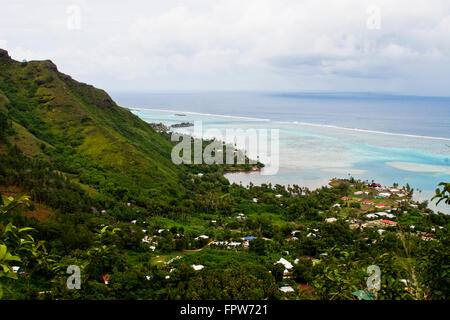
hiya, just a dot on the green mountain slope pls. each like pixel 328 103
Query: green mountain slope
pixel 83 132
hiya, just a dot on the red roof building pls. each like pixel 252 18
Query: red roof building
pixel 392 223
pixel 345 198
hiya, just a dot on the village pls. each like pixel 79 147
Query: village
pixel 367 206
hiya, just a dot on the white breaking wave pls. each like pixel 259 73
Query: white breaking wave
pixel 201 114
pixel 369 131
pixel 329 126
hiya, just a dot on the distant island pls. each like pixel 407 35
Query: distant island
pixel 182 125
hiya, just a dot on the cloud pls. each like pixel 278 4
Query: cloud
pixel 230 44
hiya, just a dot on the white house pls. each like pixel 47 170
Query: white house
pixel 288 266
pixel 197 267
pixel 286 289
pixel 330 220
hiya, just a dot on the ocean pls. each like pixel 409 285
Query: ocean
pixel 385 138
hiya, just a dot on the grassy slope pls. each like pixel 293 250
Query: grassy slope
pixel 79 115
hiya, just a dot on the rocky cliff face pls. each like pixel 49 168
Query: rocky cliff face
pixel 4 54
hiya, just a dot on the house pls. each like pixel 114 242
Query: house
pixel 15 269
pixel 205 237
pixel 133 221
pixel 375 185
pixel 235 244
pixel 337 205
pixel 381 231
pixel 358 193
pixel 197 267
pixel 345 198
pixel 255 200
pixel 385 214
pixel 330 220
pixel 384 194
pixel 249 238
pixel 146 239
pixel 427 236
pixel 315 261
pixel 370 203
pixel 287 289
pixel 389 222
pixel 200 174
pixel 372 216
pixel 287 265
pixel 278 195
pixel 381 205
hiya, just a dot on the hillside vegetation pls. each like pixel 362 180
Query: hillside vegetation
pixel 86 183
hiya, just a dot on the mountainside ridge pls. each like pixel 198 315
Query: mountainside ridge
pixel 79 125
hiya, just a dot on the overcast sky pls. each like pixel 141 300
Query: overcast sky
pixel 400 46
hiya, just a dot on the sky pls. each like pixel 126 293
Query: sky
pixel 400 46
